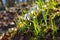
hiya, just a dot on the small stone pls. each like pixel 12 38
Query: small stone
pixel 6 18
pixel 12 23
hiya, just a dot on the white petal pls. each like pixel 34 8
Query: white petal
pixel 46 0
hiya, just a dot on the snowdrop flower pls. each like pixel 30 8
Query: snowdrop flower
pixel 31 9
pixel 46 0
pixel 32 12
pixel 36 7
pixel 27 16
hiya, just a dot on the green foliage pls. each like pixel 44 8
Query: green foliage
pixel 39 30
